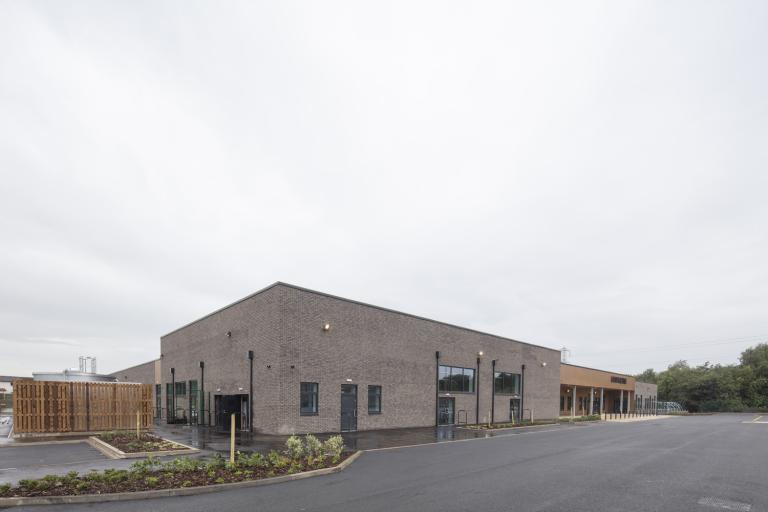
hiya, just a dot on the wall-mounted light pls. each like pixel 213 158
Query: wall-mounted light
pixel 269 366
pixel 543 364
pixel 326 326
pixel 229 334
pixel 239 389
pixel 479 354
pixel 348 380
pixel 218 389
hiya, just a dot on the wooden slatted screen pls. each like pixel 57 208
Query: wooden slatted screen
pixel 56 407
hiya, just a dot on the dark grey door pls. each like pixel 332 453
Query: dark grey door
pixel 445 409
pixel 348 407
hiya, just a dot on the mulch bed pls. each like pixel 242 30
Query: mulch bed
pixel 128 443
pixel 125 481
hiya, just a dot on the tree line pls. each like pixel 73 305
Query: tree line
pixel 710 388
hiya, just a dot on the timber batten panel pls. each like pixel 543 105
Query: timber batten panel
pixel 58 407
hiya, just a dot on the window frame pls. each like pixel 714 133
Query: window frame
pixel 451 381
pixel 314 392
pixel 372 387
pixel 515 381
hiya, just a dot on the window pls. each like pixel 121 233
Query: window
pixel 562 403
pixel 308 402
pixel 460 380
pixel 193 395
pixel 181 388
pixel 374 399
pixel 506 383
pixel 618 380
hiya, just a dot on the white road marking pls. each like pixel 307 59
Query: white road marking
pixel 738 506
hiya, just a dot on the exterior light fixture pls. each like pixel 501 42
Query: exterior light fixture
pixel 239 389
pixel 349 380
pixel 480 353
pixel 326 326
pixel 229 334
pixel 543 364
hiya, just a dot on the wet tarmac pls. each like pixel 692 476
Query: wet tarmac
pixel 209 438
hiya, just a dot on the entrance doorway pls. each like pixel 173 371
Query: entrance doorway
pixel 445 410
pixel 348 407
pixel 514 410
pixel 225 406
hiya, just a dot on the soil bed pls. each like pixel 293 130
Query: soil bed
pixel 114 481
pixel 127 442
pixel 496 426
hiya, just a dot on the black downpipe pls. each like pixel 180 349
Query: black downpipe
pixel 437 388
pixel 201 412
pixel 250 394
pixel 522 394
pixel 173 394
pixel 493 390
pixel 477 393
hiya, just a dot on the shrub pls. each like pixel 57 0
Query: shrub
pixel 151 481
pixel 219 480
pixel 181 464
pixel 333 446
pixel 82 486
pixel 28 483
pixel 5 489
pixel 145 466
pixel 295 448
pixel 276 460
pixel 217 462
pixel 314 448
pixel 186 483
pixel 254 460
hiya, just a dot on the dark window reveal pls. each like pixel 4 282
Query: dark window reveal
pixel 374 399
pixel 619 380
pixel 308 402
pixel 454 379
pixel 506 383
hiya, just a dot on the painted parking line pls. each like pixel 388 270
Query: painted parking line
pixel 738 506
pixel 757 420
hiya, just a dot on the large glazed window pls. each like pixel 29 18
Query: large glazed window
pixel 374 399
pixel 506 383
pixel 456 379
pixel 308 401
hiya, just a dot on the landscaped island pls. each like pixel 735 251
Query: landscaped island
pixel 128 442
pixel 151 474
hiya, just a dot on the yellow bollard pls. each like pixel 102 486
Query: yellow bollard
pixel 232 441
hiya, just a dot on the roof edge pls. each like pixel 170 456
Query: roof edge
pixel 359 303
pixel 129 367
pixel 599 370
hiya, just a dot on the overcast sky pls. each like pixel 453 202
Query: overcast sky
pixel 588 175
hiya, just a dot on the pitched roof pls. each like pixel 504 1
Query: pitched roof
pixel 351 301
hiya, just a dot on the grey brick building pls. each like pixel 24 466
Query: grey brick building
pixel 322 363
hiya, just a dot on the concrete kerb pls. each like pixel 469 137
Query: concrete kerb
pixel 113 453
pixel 184 491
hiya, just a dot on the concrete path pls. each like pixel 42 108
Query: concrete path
pixel 691 464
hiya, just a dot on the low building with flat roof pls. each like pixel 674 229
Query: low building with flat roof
pixel 585 391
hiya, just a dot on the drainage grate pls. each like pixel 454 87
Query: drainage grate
pixel 725 504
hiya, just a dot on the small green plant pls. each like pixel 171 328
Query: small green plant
pixel 151 481
pixel 333 446
pixel 277 460
pixel 146 465
pixel 28 483
pixel 314 448
pixel 186 483
pixel 219 480
pixel 82 486
pixel 5 489
pixel 295 448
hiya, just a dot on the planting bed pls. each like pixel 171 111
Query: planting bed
pixel 128 442
pixel 152 474
pixel 496 426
